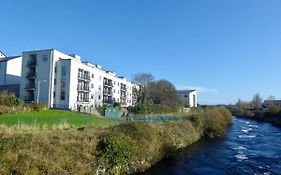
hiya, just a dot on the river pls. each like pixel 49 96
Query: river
pixel 249 147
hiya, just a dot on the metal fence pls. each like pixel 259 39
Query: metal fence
pixel 154 118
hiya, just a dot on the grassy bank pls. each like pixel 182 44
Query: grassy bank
pixel 53 118
pixel 272 115
pixel 125 148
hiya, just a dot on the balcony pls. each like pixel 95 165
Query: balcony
pixel 83 77
pixel 30 87
pixel 29 99
pixel 123 97
pixel 31 63
pixel 31 75
pixel 81 88
pixel 107 93
pixel 123 90
pixel 108 84
pixel 108 101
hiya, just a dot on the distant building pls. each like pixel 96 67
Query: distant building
pixel 10 73
pixel 189 97
pixel 271 103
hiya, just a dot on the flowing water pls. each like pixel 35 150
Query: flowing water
pixel 249 147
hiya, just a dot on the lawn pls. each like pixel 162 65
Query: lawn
pixel 54 118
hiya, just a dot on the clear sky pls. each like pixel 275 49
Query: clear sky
pixel 227 49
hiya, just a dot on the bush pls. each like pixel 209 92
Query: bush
pixel 9 99
pixel 37 106
pixel 213 121
pixel 153 109
pixel 275 109
pixel 101 110
pixel 5 109
pixel 115 151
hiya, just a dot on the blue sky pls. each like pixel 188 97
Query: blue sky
pixel 227 49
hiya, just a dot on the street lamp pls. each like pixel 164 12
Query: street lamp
pixel 38 92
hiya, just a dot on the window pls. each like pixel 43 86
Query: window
pixel 100 78
pixel 54 94
pixel 63 71
pixel 93 76
pixel 45 58
pixel 114 90
pixel 62 95
pixel 92 85
pixel 92 96
pixel 62 84
pixel 99 97
pixel 55 81
pixel 55 69
pixel 99 87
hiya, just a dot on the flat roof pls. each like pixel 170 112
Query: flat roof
pixel 8 58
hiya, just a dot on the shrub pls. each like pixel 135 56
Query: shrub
pixel 37 106
pixel 226 114
pixel 115 151
pixel 275 109
pixel 153 109
pixel 216 121
pixel 101 110
pixel 9 99
pixel 5 109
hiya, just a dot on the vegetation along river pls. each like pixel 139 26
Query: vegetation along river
pixel 249 147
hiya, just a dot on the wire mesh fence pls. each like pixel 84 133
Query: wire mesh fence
pixel 154 118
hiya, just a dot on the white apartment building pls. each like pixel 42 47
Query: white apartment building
pixel 10 73
pixel 64 81
pixel 189 97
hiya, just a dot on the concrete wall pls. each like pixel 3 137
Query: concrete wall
pixel 13 71
pixel 10 71
pixel 189 97
pixel 3 66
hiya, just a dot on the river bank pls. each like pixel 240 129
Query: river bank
pixel 270 116
pixel 126 148
pixel 249 147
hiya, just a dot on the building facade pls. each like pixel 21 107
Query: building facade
pixel 271 103
pixel 188 97
pixel 10 73
pixel 64 81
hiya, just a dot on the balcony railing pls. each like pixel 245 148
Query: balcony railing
pixel 31 63
pixel 105 92
pixel 30 87
pixel 108 84
pixel 84 77
pixel 29 99
pixel 83 88
pixel 31 75
pixel 123 90
pixel 108 101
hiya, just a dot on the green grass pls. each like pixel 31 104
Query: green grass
pixel 54 118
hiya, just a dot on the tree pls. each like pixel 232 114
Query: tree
pixel 143 79
pixel 256 103
pixel 162 92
